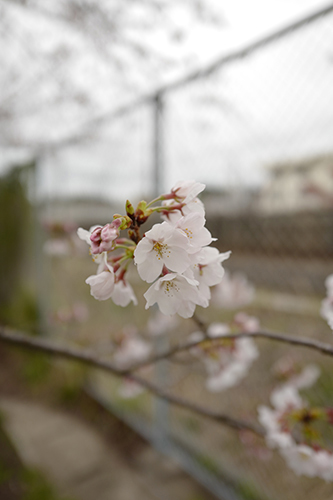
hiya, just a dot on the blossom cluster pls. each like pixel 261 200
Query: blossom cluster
pixel 175 258
pixel 293 427
pixel 227 360
pixel 174 255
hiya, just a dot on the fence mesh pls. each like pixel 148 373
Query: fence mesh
pixel 258 131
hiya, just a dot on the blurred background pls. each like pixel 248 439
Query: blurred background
pixel 104 101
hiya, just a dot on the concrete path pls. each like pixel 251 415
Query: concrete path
pixel 77 461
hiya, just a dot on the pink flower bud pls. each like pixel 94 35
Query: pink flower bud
pixel 109 233
pixel 102 238
pixel 116 223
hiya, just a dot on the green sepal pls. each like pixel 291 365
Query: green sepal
pixel 126 221
pixel 142 212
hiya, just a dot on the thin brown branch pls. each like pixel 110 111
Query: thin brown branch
pixel 315 345
pixel 18 339
pixel 195 408
pixel 90 358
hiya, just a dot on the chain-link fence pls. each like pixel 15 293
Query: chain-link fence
pixel 257 127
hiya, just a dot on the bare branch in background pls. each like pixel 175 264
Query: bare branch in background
pixel 89 358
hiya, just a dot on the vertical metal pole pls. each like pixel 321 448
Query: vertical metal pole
pixel 39 256
pixel 162 341
pixel 158 144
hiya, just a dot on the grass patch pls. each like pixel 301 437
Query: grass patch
pixel 248 491
pixel 37 487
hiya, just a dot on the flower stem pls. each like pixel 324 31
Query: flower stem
pixel 155 200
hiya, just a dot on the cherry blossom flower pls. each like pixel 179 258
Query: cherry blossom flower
pixel 308 458
pixel 193 226
pixel 217 329
pixel 226 361
pixel 187 190
pixel 295 375
pixel 185 193
pixel 174 293
pixel 102 284
pixel 234 365
pixel 123 294
pixel 247 323
pixel 226 377
pixel 301 459
pixel 307 461
pixel 162 245
pixel 324 464
pixel 308 376
pixel 132 349
pixel 276 437
pixel 285 400
pixel 208 270
pixel 194 206
pixel 84 235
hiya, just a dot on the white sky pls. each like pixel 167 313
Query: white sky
pixel 246 21
pixel 276 101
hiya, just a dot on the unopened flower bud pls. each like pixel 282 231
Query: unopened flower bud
pixel 129 209
pixel 122 221
pixel 142 213
pixel 102 238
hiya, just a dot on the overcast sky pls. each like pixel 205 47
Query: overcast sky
pixel 223 130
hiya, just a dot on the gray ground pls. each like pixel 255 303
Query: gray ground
pixel 80 464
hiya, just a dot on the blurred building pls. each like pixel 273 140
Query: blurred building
pixel 295 186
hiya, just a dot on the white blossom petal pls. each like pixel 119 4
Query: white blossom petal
pixel 123 294
pixel 101 285
pixel 174 293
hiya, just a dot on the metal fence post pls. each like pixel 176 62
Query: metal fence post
pixel 161 342
pixel 158 157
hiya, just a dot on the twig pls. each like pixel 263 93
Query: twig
pixel 90 358
pixel 315 345
pixel 45 346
